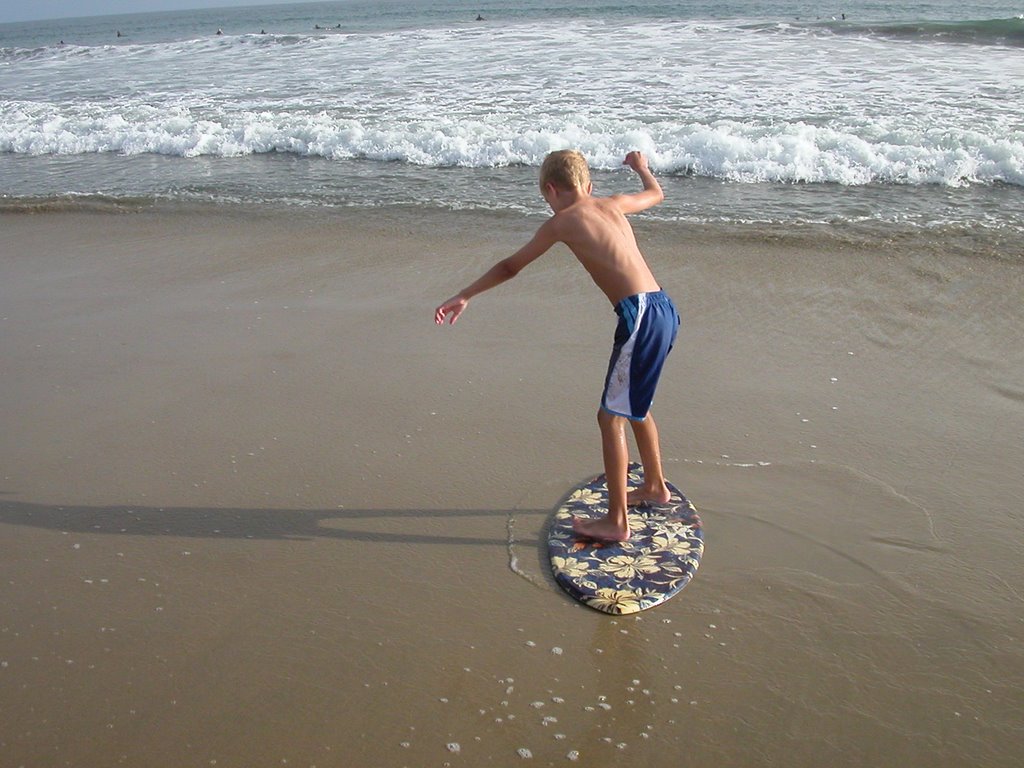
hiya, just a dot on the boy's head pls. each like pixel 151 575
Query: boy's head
pixel 566 170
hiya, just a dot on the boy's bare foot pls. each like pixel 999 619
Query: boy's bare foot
pixel 647 495
pixel 602 530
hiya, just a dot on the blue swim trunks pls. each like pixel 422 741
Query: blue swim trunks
pixel 647 328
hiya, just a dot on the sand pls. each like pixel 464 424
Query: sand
pixel 257 510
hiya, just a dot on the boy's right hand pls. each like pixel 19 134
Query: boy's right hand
pixel 450 310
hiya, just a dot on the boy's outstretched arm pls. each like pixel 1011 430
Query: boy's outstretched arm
pixel 504 270
pixel 651 194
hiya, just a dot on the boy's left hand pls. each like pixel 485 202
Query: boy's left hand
pixel 450 310
pixel 635 160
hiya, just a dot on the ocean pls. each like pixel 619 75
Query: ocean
pixel 863 116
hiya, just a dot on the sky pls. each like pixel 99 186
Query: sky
pixel 31 10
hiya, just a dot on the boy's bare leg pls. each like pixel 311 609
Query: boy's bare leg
pixel 614 526
pixel 653 488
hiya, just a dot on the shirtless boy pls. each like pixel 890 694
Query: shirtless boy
pixel 596 230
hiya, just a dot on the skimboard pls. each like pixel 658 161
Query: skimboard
pixel 660 558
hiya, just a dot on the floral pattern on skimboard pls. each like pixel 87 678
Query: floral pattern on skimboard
pixel 661 556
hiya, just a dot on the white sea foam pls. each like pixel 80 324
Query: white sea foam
pixel 795 152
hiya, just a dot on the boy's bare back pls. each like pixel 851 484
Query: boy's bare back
pixel 594 228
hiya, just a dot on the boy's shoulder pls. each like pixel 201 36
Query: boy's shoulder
pixel 589 205
pixel 571 216
pixel 584 219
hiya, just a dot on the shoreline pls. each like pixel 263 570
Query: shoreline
pixel 308 185
pixel 256 507
pixel 997 243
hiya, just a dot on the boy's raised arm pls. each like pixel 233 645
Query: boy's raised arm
pixel 651 194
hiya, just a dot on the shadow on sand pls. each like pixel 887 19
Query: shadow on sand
pixel 265 524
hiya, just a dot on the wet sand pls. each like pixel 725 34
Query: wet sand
pixel 257 510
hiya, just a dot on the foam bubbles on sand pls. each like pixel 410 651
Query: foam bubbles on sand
pixel 553 723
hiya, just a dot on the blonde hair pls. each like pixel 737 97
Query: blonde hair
pixel 566 169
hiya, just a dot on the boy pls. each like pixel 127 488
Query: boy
pixel 596 230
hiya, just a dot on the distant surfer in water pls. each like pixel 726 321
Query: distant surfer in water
pixel 596 230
